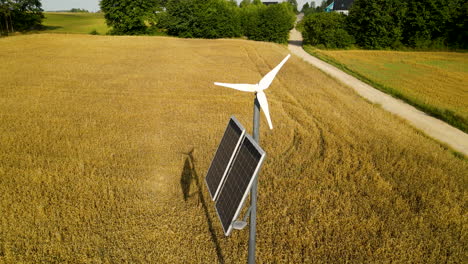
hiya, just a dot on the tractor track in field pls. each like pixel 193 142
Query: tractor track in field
pixel 255 57
pixel 433 127
pixel 295 105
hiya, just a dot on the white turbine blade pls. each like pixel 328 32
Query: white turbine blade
pixel 264 105
pixel 268 79
pixel 240 87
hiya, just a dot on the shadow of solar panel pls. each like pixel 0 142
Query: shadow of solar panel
pixel 224 155
pixel 238 182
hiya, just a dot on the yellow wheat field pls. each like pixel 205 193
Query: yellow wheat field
pixel 435 79
pixel 105 142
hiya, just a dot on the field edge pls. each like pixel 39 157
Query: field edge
pixel 445 115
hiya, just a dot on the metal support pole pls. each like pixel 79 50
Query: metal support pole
pixel 253 192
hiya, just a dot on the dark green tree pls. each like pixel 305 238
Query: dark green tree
pixel 180 18
pixel 78 10
pixel 250 18
pixel 270 23
pixel 293 3
pixel 20 15
pixel 458 30
pixel 245 3
pixel 305 7
pixel 327 29
pixel 377 24
pixel 6 24
pixel 217 19
pixel 202 19
pixel 28 14
pixel 310 9
pixel 430 22
pixel 321 7
pixel 128 17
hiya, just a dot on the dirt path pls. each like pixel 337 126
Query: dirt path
pixel 435 128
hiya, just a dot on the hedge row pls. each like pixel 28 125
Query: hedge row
pixel 327 29
pixel 223 19
pixel 381 24
pixel 200 18
pixel 268 23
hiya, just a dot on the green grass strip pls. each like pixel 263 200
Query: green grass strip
pixel 445 115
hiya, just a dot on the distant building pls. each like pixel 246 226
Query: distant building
pixel 329 8
pixel 342 6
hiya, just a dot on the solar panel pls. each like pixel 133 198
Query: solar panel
pixel 238 182
pixel 224 155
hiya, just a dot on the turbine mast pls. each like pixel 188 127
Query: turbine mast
pixel 253 192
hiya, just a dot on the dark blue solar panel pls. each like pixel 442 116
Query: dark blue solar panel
pixel 239 179
pixel 222 160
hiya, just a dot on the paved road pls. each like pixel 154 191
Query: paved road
pixel 435 128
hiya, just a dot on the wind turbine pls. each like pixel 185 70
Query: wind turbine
pixel 258 88
pixel 260 101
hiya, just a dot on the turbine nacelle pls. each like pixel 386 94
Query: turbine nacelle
pixel 258 88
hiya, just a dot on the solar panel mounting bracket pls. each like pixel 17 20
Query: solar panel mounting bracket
pixel 241 224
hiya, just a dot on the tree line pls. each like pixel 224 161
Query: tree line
pixel 201 18
pixel 78 10
pixel 311 8
pixel 395 24
pixel 20 15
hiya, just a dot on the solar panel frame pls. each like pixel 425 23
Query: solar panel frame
pixel 261 152
pixel 213 161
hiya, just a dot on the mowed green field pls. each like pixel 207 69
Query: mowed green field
pixel 436 82
pixel 95 133
pixel 82 23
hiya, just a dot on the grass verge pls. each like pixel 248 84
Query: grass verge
pixel 75 23
pixel 450 116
